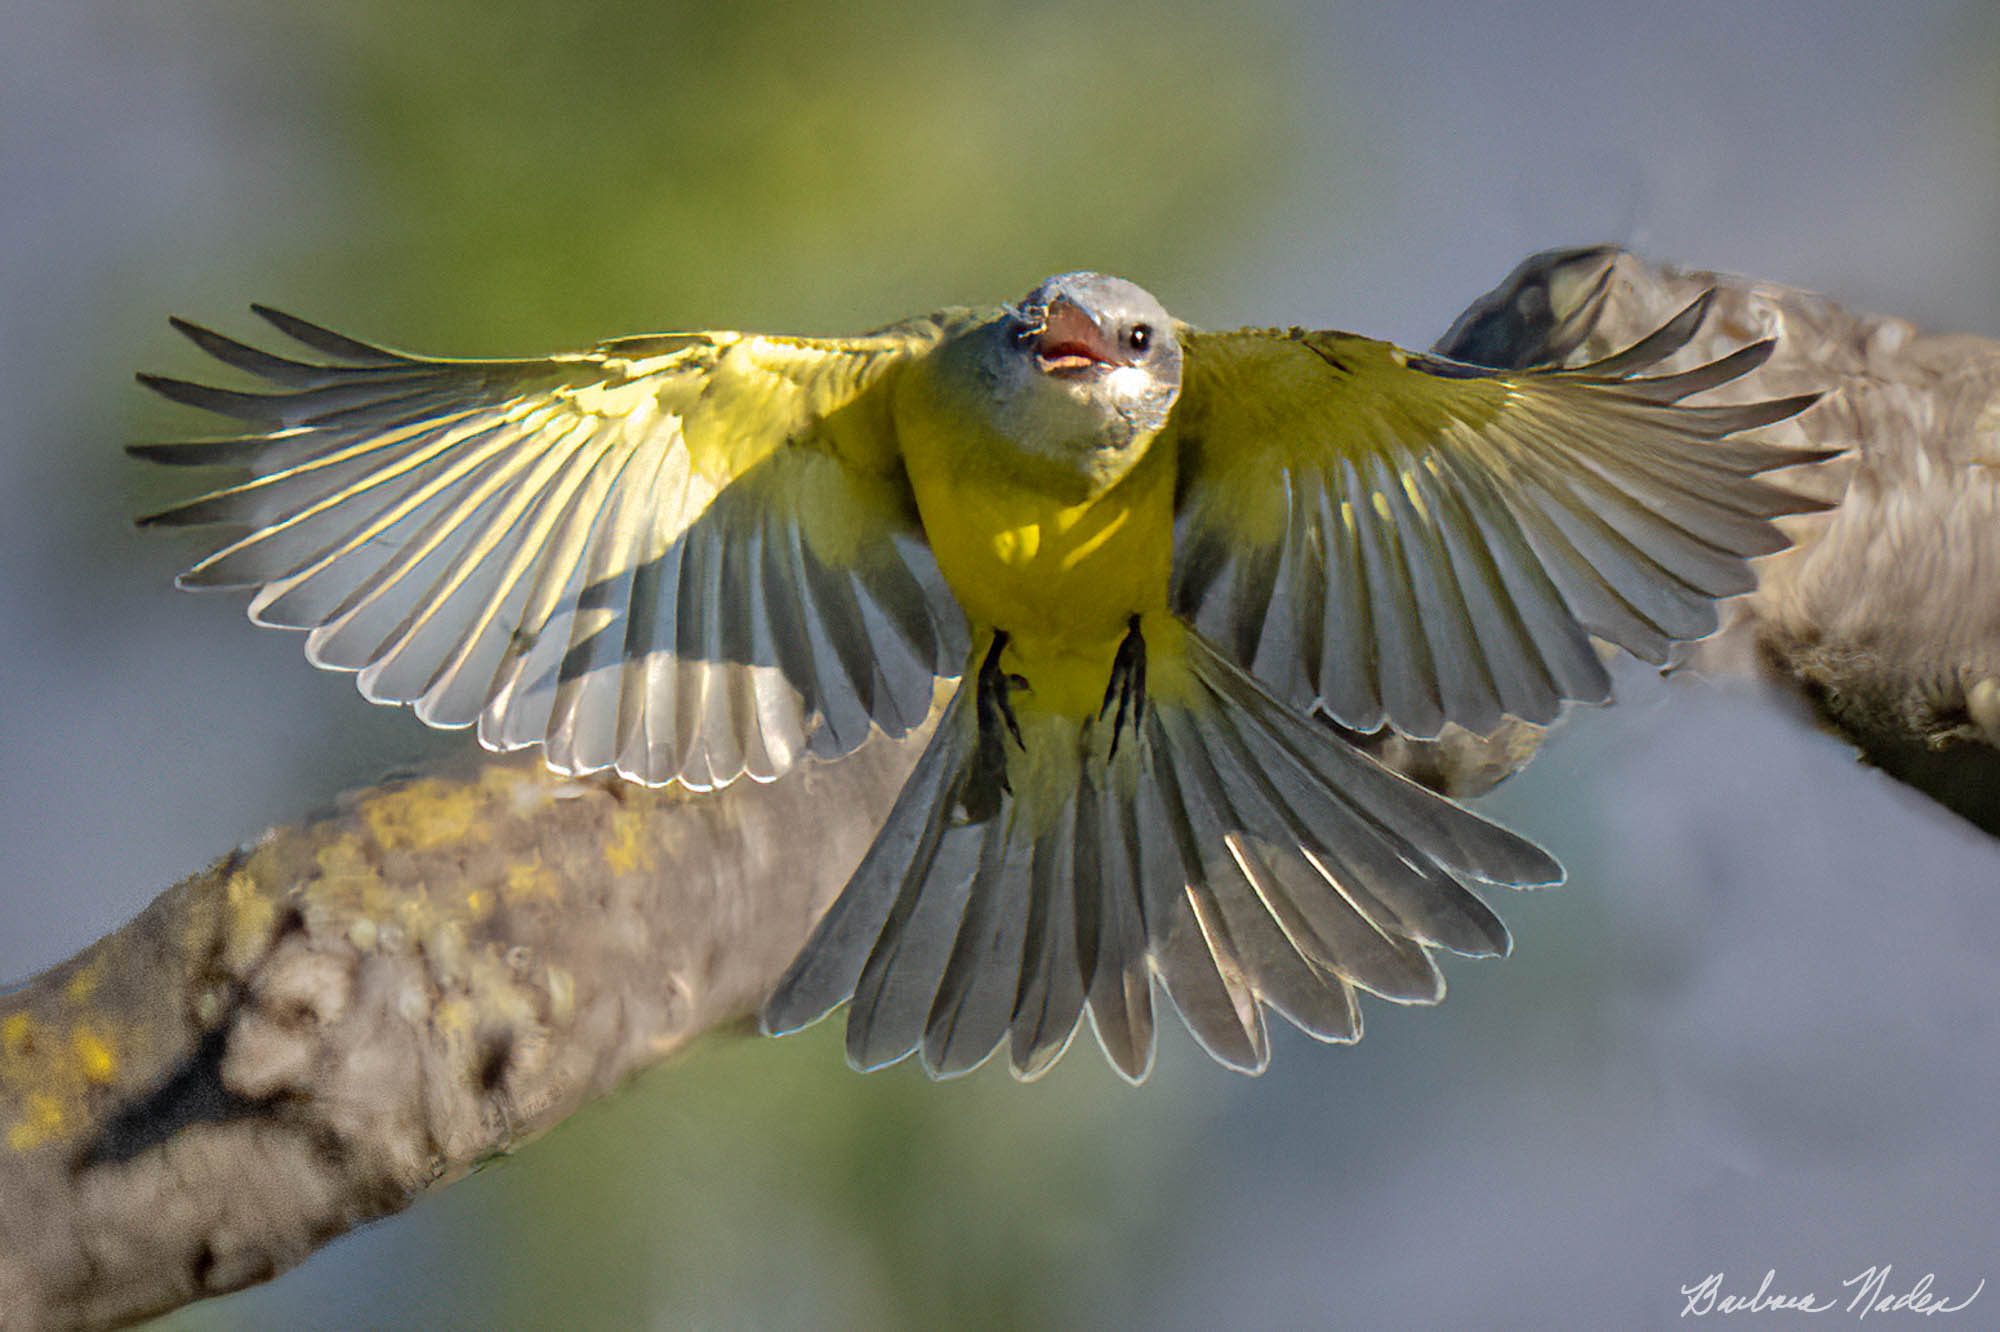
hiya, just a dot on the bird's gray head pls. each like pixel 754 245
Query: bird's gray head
pixel 1084 371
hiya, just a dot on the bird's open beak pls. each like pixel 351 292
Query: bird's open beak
pixel 1070 342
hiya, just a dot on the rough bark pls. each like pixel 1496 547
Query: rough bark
pixel 320 1027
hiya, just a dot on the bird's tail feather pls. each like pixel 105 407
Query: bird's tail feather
pixel 1238 854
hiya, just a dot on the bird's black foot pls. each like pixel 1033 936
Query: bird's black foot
pixel 1125 696
pixel 986 780
pixel 996 708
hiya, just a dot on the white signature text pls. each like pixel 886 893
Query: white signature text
pixel 1868 1292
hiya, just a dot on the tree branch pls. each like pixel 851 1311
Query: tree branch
pixel 318 1028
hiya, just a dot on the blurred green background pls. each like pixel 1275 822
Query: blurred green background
pixel 1581 1129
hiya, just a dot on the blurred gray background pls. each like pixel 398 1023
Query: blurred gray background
pixel 1755 1030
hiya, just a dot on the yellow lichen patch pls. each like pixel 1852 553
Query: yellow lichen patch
pixel 17 1036
pixel 477 904
pixel 348 882
pixel 341 860
pixel 423 815
pixel 516 791
pixel 49 1072
pixel 499 776
pixel 252 915
pixel 41 1119
pixel 528 879
pixel 627 850
pixel 454 1015
pixel 83 984
pixel 95 1058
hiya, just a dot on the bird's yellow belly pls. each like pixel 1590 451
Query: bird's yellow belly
pixel 1061 580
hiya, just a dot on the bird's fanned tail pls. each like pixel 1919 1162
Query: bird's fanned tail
pixel 1219 845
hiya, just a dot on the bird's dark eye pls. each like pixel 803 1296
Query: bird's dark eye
pixel 1141 337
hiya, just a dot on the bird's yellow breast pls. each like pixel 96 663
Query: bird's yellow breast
pixel 1061 572
pixel 1038 567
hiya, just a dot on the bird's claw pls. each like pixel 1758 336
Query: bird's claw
pixel 1126 691
pixel 986 780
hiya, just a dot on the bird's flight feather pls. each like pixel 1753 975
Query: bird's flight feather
pixel 1407 540
pixel 1234 857
pixel 686 557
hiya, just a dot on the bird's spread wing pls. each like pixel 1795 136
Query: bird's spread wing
pixel 1406 539
pixel 689 557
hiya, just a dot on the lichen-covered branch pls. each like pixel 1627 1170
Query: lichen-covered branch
pixel 320 1027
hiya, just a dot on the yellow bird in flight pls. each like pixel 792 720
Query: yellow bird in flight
pixel 1152 551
